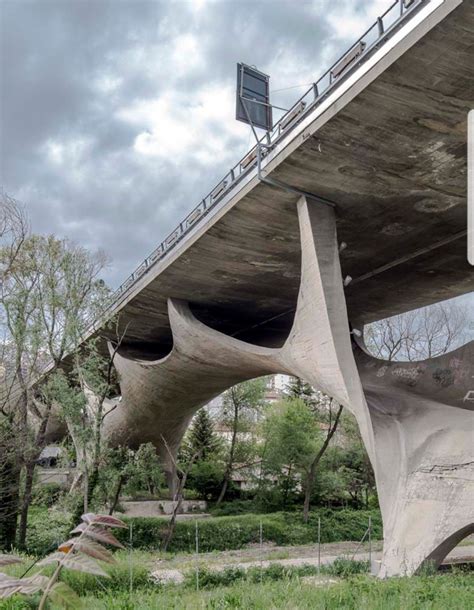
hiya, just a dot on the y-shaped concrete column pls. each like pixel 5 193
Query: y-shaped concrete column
pixel 418 446
pixel 424 438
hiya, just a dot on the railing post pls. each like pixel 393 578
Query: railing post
pixel 380 26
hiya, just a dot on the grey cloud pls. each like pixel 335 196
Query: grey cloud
pixel 55 55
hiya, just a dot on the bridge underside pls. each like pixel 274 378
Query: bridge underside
pixel 414 417
pixel 393 160
pixel 259 289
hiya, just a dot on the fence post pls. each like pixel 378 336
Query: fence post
pixel 319 545
pixel 197 556
pixel 370 542
pixel 130 548
pixel 261 551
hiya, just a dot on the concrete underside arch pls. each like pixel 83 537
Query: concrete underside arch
pixel 414 417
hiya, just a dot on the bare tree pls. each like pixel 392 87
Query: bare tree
pixel 420 334
pixel 85 398
pixel 14 229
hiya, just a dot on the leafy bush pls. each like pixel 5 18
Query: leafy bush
pixel 226 533
pixel 46 529
pixel 18 602
pixel 344 567
pixel 229 576
pixel 47 495
pixel 86 584
pixel 80 553
pixel 205 477
pixel 236 507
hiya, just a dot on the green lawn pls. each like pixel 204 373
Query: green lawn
pixel 269 589
pixel 443 592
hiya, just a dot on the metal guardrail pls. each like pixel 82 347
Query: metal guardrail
pixel 372 39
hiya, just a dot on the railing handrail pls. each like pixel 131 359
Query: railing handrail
pixel 237 172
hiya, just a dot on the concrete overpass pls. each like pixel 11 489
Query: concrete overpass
pixel 252 282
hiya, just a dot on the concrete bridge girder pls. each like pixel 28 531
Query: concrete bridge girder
pixel 420 445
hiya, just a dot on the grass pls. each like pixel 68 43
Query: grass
pixel 444 592
pixel 342 586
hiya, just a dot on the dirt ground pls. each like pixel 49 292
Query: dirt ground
pixel 172 568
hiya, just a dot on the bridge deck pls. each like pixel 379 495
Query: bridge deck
pixel 393 159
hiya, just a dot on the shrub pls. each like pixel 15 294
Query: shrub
pixel 205 477
pixel 229 576
pixel 46 529
pixel 87 584
pixel 344 567
pixel 227 533
pixel 237 507
pixel 47 495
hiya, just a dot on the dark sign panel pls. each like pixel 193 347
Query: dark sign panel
pixel 253 97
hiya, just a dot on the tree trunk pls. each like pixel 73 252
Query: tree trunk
pixel 25 502
pixel 314 464
pixel 172 523
pixel 30 466
pixel 287 487
pixel 230 462
pixel 118 489
pixel 179 500
pixel 9 491
pixel 90 483
pixel 307 492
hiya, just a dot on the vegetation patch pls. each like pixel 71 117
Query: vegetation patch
pixel 228 533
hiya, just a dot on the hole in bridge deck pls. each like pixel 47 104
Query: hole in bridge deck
pixel 424 333
pixel 146 351
pixel 265 329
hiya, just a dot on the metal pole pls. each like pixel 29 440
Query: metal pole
pixel 261 551
pixel 197 556
pixel 130 547
pixel 319 545
pixel 370 542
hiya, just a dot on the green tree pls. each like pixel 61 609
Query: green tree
pixel 297 388
pixel 147 473
pixel 49 288
pixel 205 477
pixel 355 465
pixel 291 439
pixel 242 405
pixel 201 437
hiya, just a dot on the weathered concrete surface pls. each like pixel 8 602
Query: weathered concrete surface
pixel 414 419
pixel 424 438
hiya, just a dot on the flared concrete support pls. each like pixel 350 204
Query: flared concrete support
pixel 160 397
pixel 424 438
pixel 417 438
pixel 319 347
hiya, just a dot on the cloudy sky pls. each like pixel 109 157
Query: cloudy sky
pixel 118 116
